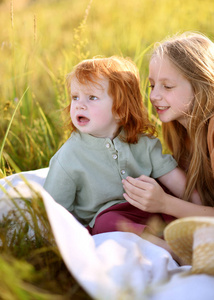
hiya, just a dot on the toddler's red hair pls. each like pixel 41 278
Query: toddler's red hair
pixel 124 88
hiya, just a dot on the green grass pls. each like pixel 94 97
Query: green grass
pixel 40 42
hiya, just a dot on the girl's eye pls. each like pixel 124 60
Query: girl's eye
pixel 151 86
pixel 168 87
pixel 74 98
pixel 91 97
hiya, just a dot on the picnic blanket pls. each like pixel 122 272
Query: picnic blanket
pixel 114 265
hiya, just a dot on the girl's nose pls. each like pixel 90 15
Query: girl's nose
pixel 155 95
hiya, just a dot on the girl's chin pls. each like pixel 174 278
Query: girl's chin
pixel 164 119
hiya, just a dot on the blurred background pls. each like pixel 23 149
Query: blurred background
pixel 40 42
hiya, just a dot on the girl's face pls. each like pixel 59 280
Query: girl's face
pixel 91 109
pixel 171 93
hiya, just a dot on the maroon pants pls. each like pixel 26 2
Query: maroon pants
pixel 111 218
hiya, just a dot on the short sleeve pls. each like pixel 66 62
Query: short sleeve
pixel 60 185
pixel 161 163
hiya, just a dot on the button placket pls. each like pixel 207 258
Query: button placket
pixel 112 149
pixel 114 156
pixel 123 149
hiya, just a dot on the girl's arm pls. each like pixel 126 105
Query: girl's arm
pixel 175 181
pixel 146 194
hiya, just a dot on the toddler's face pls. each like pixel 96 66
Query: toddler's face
pixel 91 108
pixel 171 93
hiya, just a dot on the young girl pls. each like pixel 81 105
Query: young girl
pixel 181 75
pixel 111 139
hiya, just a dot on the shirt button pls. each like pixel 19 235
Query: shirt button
pixel 108 145
pixel 122 172
pixel 114 156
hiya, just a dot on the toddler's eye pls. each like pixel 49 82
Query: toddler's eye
pixel 92 97
pixel 74 98
pixel 151 86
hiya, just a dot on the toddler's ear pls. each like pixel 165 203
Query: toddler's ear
pixel 117 118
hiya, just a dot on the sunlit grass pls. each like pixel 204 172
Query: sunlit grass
pixel 41 43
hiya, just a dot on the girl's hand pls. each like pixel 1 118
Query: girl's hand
pixel 144 193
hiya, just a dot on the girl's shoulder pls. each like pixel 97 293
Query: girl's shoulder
pixel 210 141
pixel 210 134
pixel 211 123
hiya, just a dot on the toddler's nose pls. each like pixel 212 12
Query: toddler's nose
pixel 81 104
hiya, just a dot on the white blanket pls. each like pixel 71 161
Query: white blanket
pixel 114 265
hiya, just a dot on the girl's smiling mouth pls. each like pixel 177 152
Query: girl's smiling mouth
pixel 161 108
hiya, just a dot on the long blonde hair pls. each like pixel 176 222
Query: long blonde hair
pixel 193 54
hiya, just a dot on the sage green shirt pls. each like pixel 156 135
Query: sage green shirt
pixel 85 174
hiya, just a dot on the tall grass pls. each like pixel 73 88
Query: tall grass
pixel 40 42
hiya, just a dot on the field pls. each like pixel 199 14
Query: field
pixel 40 42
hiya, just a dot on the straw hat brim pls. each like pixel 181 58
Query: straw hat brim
pixel 179 235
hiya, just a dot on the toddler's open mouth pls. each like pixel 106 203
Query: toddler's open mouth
pixel 82 120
